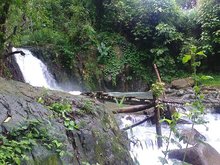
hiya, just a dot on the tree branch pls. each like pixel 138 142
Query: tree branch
pixel 12 53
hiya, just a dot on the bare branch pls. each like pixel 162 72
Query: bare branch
pixel 136 124
pixel 12 53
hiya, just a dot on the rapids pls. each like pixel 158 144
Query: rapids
pixel 143 138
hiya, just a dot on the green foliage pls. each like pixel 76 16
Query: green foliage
pixel 146 32
pixel 63 110
pixel 113 68
pixel 209 19
pixel 158 89
pixel 87 107
pixel 60 107
pixel 215 81
pixel 15 145
pixel 119 102
pixel 197 108
pixel 168 33
pixel 194 56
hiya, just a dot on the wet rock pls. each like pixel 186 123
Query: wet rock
pixel 200 154
pixel 191 136
pixel 98 139
pixel 182 83
pixel 180 93
pixel 41 154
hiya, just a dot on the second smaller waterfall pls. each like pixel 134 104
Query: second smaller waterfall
pixel 34 71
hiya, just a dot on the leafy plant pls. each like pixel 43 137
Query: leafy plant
pixel 63 110
pixel 17 143
pixel 158 89
pixel 197 108
pixel 194 56
pixel 120 102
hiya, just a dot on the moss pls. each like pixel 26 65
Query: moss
pixel 51 160
pixel 109 122
pixel 117 148
pixel 99 146
pixel 82 124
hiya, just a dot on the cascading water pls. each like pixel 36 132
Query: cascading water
pixel 143 138
pixel 35 72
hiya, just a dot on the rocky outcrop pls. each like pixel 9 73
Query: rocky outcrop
pixel 182 83
pixel 200 154
pixel 211 96
pixel 97 138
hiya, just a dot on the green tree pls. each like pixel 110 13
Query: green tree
pixel 4 10
pixel 209 21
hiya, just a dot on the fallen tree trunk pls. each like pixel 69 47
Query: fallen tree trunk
pixel 132 109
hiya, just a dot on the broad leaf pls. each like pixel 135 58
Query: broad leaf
pixel 186 58
pixel 201 53
pixel 206 77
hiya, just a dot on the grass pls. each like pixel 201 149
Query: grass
pixel 215 82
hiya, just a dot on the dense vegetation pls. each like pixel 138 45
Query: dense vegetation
pixel 122 37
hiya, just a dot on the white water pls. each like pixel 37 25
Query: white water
pixel 35 72
pixel 145 150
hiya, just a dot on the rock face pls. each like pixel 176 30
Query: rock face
pixel 182 83
pixel 211 96
pixel 200 154
pixel 96 140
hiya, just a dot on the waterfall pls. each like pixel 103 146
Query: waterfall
pixel 35 72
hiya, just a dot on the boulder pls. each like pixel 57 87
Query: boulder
pixel 97 140
pixel 182 83
pixel 191 136
pixel 200 154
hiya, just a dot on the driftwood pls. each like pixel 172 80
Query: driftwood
pixel 133 109
pixel 12 53
pixel 136 124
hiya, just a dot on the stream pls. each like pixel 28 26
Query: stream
pixel 143 137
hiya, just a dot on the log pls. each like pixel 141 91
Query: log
pixel 134 125
pixel 133 109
